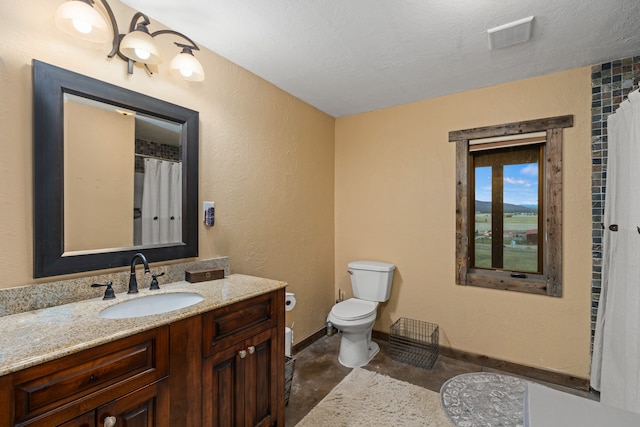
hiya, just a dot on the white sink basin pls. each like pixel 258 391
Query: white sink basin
pixel 150 304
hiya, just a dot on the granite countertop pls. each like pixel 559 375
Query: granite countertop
pixel 38 336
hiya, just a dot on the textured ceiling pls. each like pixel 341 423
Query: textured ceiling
pixel 351 56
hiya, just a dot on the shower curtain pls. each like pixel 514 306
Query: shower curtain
pixel 615 365
pixel 162 202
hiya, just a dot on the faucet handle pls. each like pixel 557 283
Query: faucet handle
pixel 108 293
pixel 154 281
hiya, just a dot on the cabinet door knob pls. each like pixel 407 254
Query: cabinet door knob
pixel 252 349
pixel 242 354
pixel 110 422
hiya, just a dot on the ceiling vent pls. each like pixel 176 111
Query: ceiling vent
pixel 509 34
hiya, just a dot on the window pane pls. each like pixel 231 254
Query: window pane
pixel 482 221
pixel 520 240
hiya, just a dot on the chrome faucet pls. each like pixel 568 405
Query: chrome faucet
pixel 133 283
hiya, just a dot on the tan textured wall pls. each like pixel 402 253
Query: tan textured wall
pixel 266 158
pixel 395 202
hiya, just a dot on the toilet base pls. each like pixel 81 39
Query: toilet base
pixel 356 347
pixel 357 353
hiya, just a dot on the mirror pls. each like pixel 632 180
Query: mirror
pixel 136 182
pixel 115 173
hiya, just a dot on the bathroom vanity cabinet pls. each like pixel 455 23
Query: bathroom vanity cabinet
pixel 220 367
pixel 126 379
pixel 242 379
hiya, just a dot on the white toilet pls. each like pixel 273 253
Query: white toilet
pixel 371 284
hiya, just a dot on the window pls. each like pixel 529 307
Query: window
pixel 505 188
pixel 509 206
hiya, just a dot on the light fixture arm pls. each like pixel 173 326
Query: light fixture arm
pixel 192 46
pixel 140 26
pixel 115 43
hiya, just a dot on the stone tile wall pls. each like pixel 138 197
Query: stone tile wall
pixel 157 151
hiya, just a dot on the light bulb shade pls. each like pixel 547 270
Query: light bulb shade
pixel 81 20
pixel 187 67
pixel 139 46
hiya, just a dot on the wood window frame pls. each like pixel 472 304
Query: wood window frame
pixel 550 282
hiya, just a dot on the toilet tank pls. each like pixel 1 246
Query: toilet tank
pixel 371 280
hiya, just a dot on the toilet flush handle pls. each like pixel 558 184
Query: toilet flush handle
pixel 349 271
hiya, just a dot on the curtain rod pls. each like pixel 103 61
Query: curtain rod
pixel 146 156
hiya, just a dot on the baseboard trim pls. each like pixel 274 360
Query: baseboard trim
pixel 309 340
pixel 514 368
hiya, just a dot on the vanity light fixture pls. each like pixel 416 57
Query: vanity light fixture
pixel 80 18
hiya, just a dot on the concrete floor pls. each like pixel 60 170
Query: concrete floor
pixel 317 371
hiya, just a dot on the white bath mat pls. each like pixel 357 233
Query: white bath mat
pixel 364 398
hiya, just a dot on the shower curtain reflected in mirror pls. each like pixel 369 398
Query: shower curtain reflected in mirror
pixel 162 202
pixel 615 365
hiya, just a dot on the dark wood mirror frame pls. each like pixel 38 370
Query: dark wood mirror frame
pixel 50 83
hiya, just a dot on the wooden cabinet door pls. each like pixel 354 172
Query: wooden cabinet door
pixel 259 387
pixel 238 385
pixel 146 407
pixel 222 389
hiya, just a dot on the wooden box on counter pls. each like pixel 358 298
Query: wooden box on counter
pixel 194 276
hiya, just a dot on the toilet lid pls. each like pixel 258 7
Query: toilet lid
pixel 353 309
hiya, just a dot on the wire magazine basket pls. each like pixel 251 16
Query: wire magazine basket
pixel 414 342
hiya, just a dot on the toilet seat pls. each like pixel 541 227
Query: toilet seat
pixel 354 309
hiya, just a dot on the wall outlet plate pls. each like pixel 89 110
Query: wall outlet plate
pixel 208 213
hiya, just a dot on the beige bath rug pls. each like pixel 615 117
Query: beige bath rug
pixel 365 398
